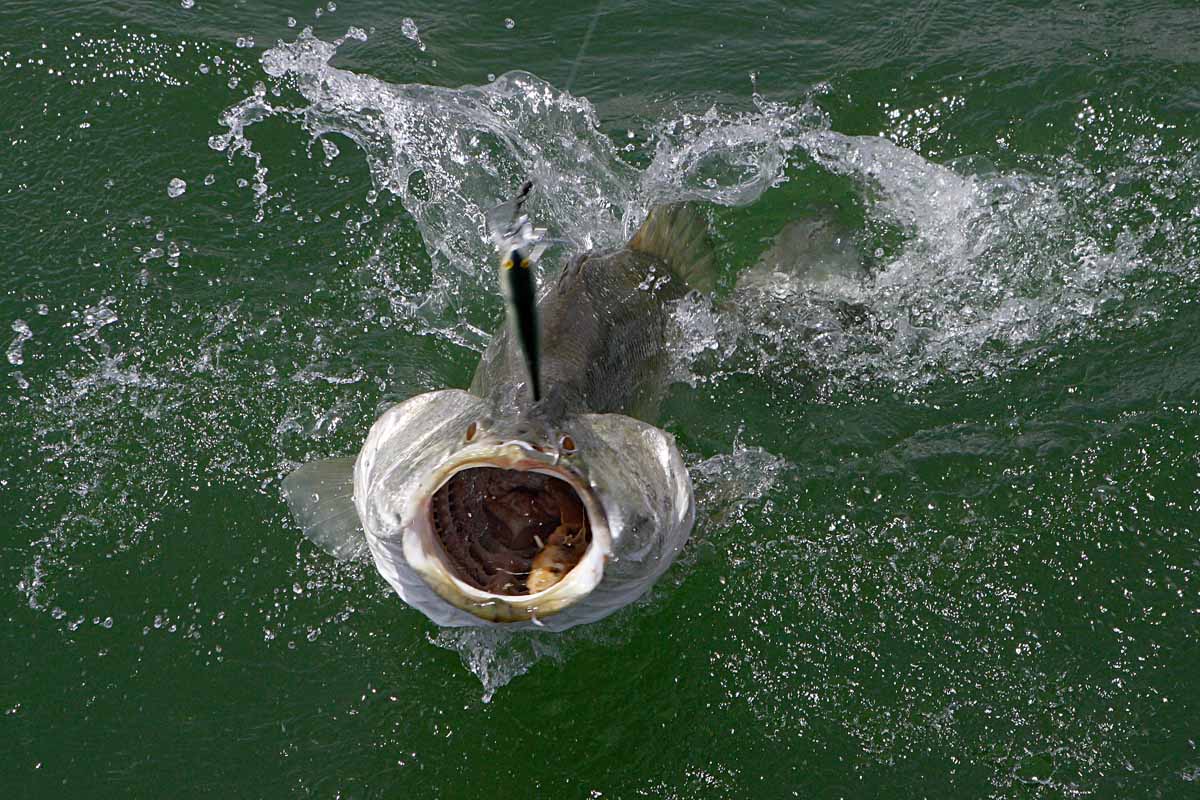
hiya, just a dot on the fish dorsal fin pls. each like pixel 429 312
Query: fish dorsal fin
pixel 320 495
pixel 677 234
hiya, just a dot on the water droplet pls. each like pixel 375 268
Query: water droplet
pixel 24 334
pixel 409 29
pixel 510 23
pixel 177 186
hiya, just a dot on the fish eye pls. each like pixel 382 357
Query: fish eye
pixel 566 444
pixel 472 429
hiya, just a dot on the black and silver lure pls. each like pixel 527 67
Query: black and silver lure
pixel 520 246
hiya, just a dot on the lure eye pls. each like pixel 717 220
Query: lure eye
pixel 566 444
pixel 472 429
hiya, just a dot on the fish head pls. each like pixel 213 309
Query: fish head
pixel 477 517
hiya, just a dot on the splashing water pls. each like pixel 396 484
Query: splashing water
pixel 974 267
pixel 495 657
pixel 962 269
pixel 988 262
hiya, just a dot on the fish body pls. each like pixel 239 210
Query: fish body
pixel 488 507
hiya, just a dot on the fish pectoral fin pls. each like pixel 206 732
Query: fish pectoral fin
pixel 320 495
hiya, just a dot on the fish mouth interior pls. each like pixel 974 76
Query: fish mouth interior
pixel 508 531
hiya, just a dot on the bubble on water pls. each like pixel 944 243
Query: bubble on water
pixel 331 6
pixel 176 187
pixel 291 22
pixel 203 69
pixel 244 41
pixel 187 3
pixel 210 179
pixel 510 23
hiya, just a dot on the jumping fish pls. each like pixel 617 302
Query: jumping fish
pixel 543 495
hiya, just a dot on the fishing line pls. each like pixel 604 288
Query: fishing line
pixel 587 37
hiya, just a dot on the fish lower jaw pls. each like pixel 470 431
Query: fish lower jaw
pixel 552 585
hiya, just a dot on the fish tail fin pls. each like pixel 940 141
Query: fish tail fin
pixel 676 233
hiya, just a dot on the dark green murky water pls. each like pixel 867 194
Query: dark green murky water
pixel 948 539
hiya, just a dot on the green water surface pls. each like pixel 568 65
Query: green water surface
pixel 956 558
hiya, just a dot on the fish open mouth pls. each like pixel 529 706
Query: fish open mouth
pixel 509 531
